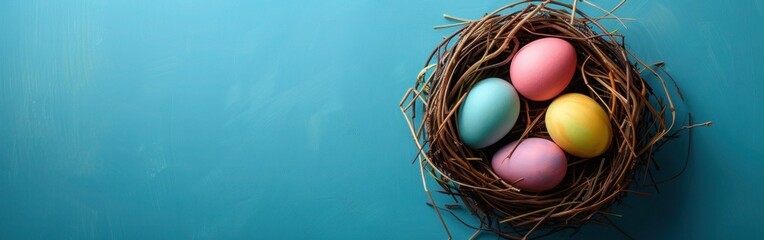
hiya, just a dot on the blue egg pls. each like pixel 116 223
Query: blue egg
pixel 488 113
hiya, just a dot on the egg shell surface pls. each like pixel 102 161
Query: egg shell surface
pixel 543 68
pixel 488 112
pixel 536 165
pixel 579 125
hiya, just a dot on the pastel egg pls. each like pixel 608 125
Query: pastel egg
pixel 579 125
pixel 488 112
pixel 543 68
pixel 536 165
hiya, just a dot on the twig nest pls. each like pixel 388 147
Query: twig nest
pixel 582 93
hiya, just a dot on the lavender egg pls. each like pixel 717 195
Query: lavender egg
pixel 536 165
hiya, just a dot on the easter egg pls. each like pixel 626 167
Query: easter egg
pixel 579 125
pixel 488 112
pixel 543 68
pixel 535 165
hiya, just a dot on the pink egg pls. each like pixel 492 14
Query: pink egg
pixel 543 68
pixel 536 165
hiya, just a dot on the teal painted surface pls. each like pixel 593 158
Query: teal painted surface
pixel 279 119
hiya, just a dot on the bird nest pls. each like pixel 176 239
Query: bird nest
pixel 640 116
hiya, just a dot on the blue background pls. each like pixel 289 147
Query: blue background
pixel 279 119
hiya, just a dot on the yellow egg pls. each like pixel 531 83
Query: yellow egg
pixel 579 125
